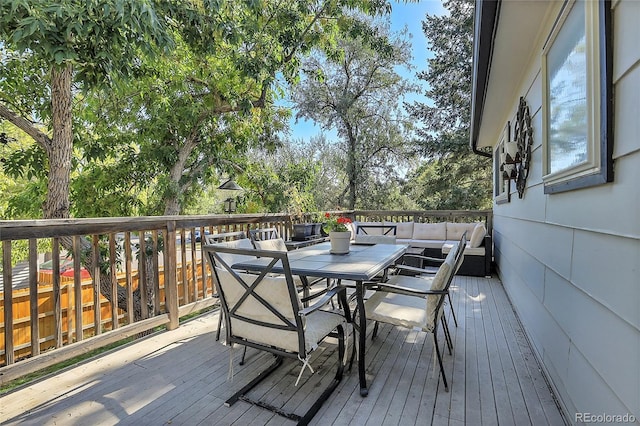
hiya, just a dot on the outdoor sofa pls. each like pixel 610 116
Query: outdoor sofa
pixel 437 239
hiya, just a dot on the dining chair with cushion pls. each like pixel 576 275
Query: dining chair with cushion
pixel 264 311
pixel 402 303
pixel 430 271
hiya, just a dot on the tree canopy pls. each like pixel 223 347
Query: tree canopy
pixel 354 94
pixel 143 106
pixel 452 177
pixel 99 44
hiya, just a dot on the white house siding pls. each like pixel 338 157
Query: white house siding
pixel 570 261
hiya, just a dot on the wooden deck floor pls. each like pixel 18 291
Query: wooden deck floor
pixel 180 377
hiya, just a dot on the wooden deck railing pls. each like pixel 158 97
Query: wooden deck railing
pixel 75 314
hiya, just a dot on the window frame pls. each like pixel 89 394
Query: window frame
pixel 598 168
pixel 501 187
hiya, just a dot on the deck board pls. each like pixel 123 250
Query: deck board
pixel 180 377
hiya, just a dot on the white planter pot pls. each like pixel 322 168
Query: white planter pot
pixel 340 242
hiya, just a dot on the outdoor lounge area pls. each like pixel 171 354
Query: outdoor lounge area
pixel 180 377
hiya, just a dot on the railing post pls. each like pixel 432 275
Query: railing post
pixel 170 277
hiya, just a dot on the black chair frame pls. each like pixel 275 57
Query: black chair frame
pixel 230 313
pixel 219 238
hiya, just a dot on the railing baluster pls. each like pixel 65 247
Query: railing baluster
pixel 97 305
pixel 114 281
pixel 7 280
pixel 129 276
pixel 142 275
pixel 77 287
pixel 57 307
pixel 156 272
pixel 183 269
pixel 33 297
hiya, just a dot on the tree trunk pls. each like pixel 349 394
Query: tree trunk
pixel 172 206
pixel 351 167
pixel 59 152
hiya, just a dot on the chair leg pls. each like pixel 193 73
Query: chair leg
pixel 453 313
pixel 260 377
pixel 306 418
pixel 375 330
pixel 447 334
pixel 219 326
pixel 244 354
pixel 435 343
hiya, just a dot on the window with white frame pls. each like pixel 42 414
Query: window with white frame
pixel 576 70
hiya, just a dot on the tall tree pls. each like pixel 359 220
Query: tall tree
pixel 354 94
pixel 453 177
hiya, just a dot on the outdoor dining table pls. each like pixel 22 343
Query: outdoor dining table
pixel 361 265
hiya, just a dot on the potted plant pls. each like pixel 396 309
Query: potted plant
pixel 302 231
pixel 339 233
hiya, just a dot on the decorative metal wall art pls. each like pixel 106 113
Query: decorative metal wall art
pixel 516 158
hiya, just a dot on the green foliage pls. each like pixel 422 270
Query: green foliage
pixel 452 176
pixel 22 181
pixel 99 37
pixel 451 183
pixel 281 182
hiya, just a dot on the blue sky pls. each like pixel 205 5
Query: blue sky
pixel 403 14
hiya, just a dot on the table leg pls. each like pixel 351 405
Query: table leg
pixel 305 290
pixel 362 337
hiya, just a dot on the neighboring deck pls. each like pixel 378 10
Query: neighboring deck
pixel 180 377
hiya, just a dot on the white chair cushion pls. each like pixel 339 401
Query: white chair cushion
pixel 275 244
pixel 430 231
pixel 351 226
pixel 229 258
pixel 477 235
pixel 409 311
pixel 274 291
pixel 397 309
pixel 404 230
pixel 318 325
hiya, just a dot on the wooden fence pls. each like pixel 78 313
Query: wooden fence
pixel 46 319
pixel 75 315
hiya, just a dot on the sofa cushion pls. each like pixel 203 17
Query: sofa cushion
pixel 430 231
pixel 404 230
pixel 455 230
pixel 468 250
pixel 477 235
pixel 351 226
pixel 434 244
